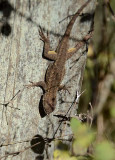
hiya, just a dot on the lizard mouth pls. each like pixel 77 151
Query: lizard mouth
pixel 41 108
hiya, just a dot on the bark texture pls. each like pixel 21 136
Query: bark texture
pixel 21 61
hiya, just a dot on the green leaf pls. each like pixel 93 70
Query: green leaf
pixel 63 155
pixel 83 137
pixel 75 125
pixel 78 149
pixel 112 111
pixel 81 143
pixel 104 151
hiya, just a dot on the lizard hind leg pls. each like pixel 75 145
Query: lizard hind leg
pixel 63 87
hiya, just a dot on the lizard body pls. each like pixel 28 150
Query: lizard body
pixel 55 72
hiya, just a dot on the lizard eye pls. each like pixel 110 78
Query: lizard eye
pixel 53 99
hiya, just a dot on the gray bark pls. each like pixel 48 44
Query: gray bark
pixel 21 61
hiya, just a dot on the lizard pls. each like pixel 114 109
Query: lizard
pixel 55 71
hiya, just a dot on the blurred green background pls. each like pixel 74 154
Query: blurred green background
pixel 99 77
pixel 97 140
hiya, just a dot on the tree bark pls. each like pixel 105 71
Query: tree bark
pixel 21 61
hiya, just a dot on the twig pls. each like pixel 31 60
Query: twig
pixel 7 105
pixel 18 152
pixel 46 140
pixel 77 96
pixel 110 9
pixel 65 18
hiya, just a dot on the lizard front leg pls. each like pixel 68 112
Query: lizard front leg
pixel 51 55
pixel 41 84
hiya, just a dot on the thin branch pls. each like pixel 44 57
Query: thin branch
pixel 18 152
pixel 110 9
pixel 77 96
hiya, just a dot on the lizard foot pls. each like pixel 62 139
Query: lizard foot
pixel 41 84
pixel 32 84
pixel 63 87
pixel 43 37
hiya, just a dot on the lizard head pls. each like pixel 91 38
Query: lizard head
pixel 49 102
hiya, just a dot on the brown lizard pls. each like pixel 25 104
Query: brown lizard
pixel 55 72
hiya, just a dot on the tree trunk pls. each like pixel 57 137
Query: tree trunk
pixel 21 61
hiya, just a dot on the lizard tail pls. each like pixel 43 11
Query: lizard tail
pixel 70 25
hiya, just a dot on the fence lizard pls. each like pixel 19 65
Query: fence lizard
pixel 55 72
